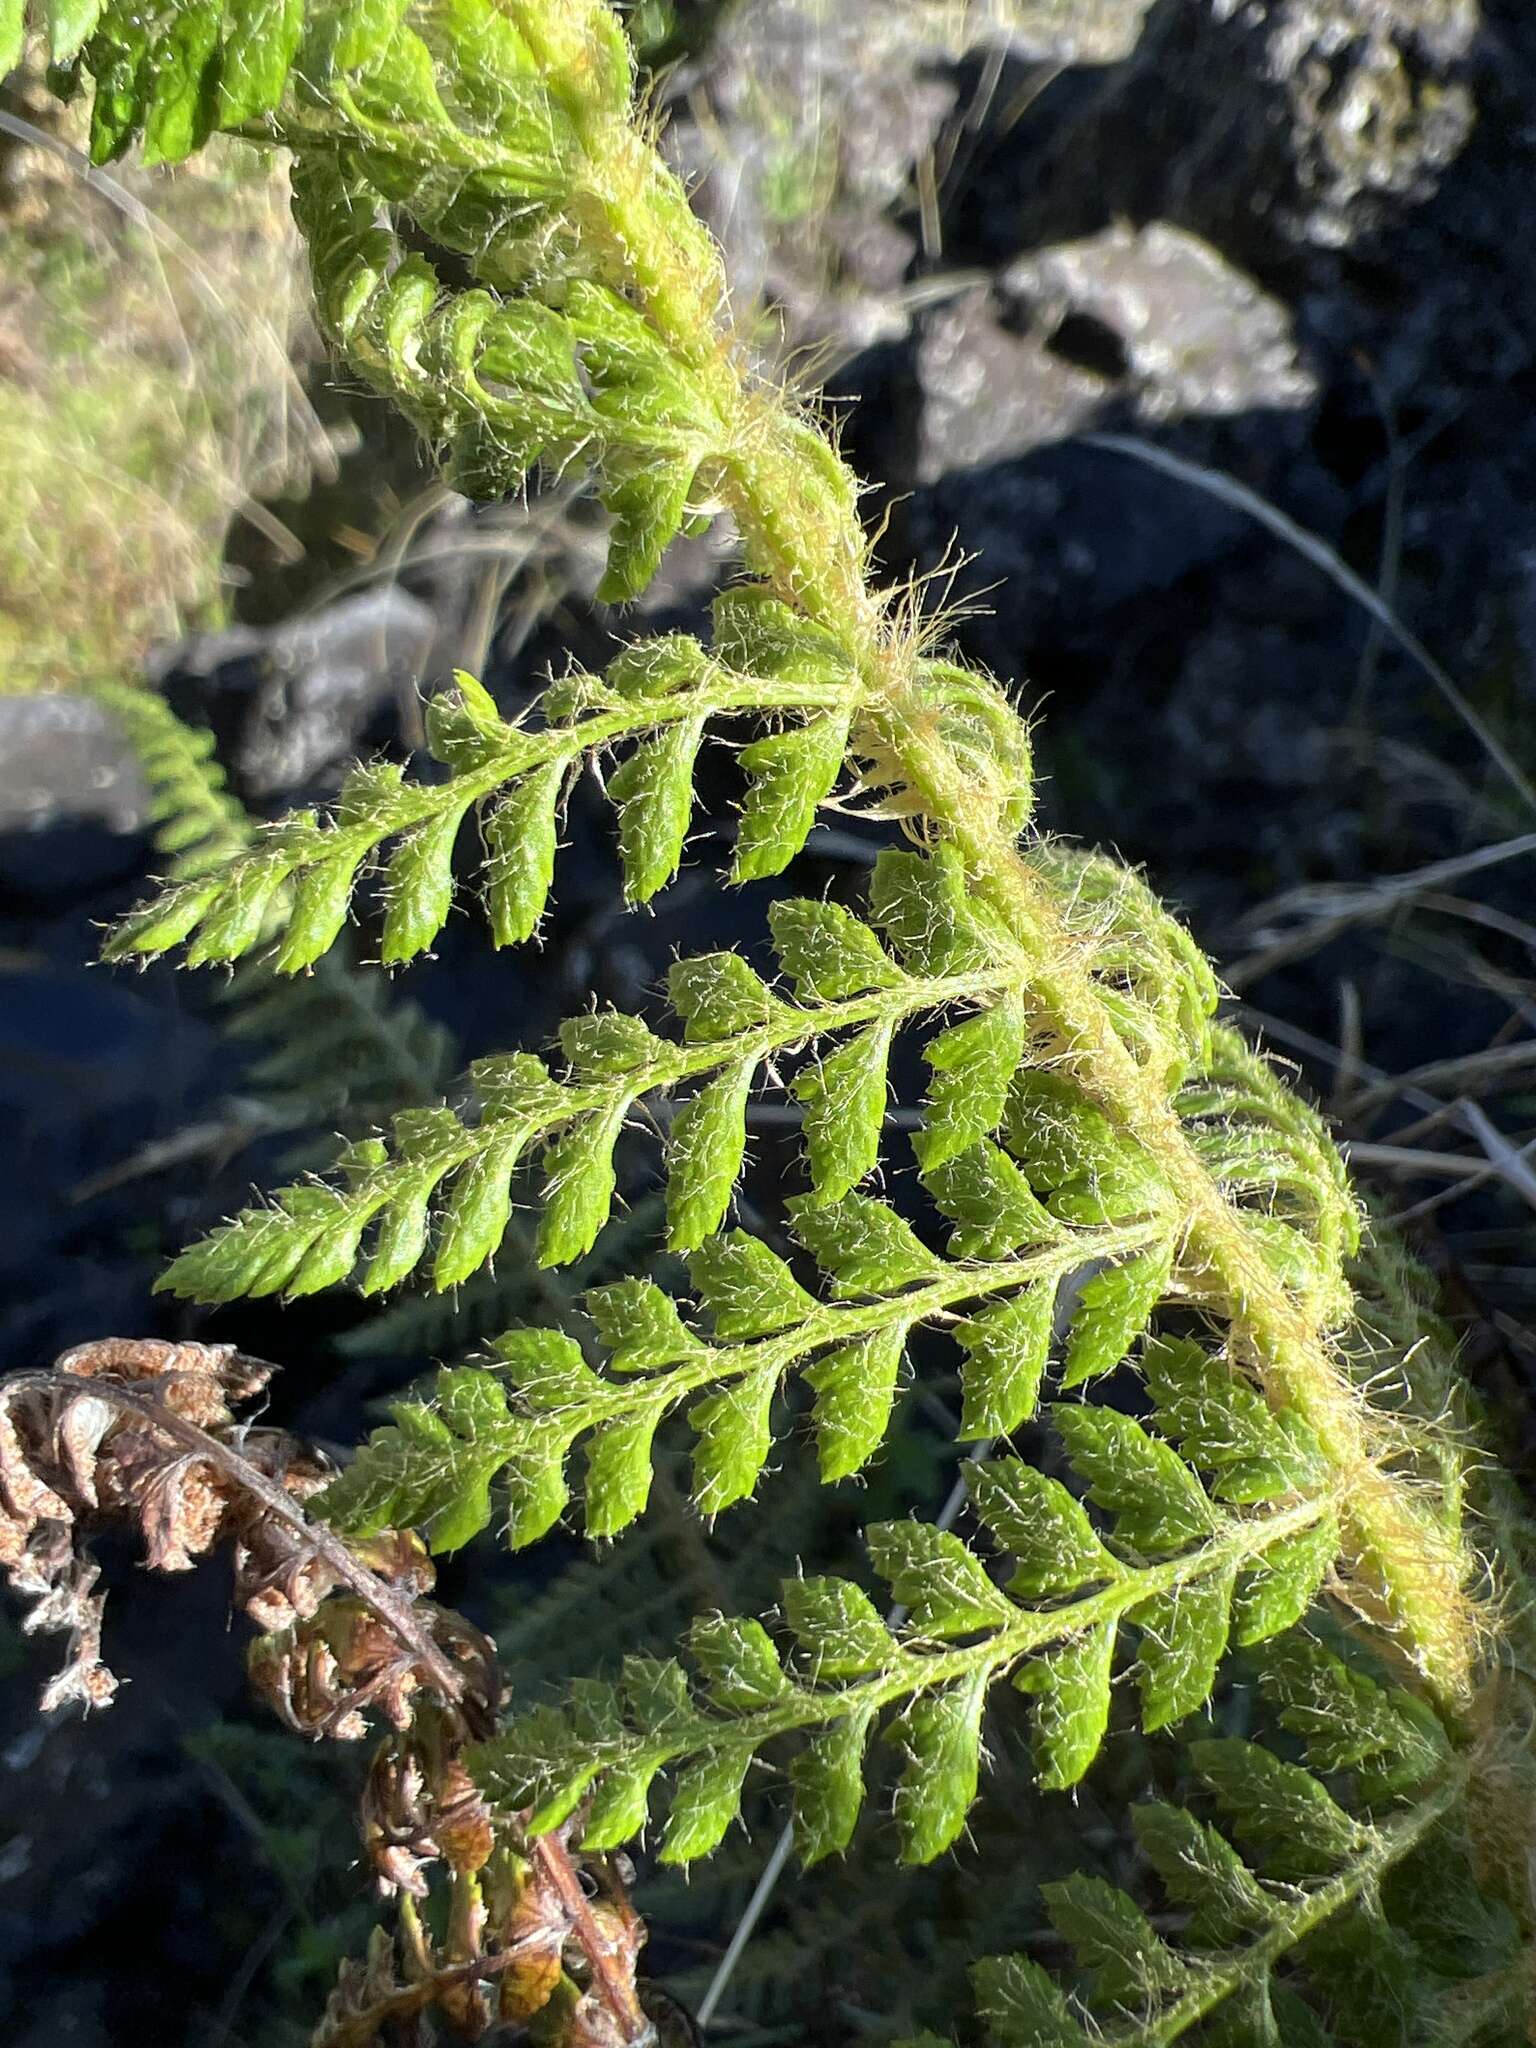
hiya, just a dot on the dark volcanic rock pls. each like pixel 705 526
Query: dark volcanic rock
pixel 1288 244
pixel 1126 329
pixel 1259 124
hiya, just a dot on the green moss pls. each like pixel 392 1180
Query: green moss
pixel 138 406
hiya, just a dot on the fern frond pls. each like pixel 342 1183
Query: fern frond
pixel 198 824
pixel 1318 1884
pixel 342 1049
pixel 595 329
pixel 763 1328
pixel 293 888
pixel 503 384
pixel 618 1740
pixel 336 1050
pixel 1170 1555
pixel 850 995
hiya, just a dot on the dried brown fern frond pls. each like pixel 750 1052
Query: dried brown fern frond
pixel 142 1434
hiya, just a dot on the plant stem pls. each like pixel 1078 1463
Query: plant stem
pixel 1416 1566
pixel 803 531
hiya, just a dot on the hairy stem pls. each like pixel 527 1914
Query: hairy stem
pixel 1417 1566
pixel 805 534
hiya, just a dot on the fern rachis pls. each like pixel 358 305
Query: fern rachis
pixel 1093 1149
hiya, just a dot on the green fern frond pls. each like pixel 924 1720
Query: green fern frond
pixel 198 824
pixel 434 1468
pixel 1084 1121
pixel 1321 1896
pixel 596 330
pixel 294 886
pixel 336 1050
pixel 1320 1908
pixel 341 1048
pixel 850 995
pixel 1170 1556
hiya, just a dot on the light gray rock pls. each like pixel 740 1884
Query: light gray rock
pixel 64 760
pixel 330 671
pixel 1376 110
pixel 291 701
pixel 1194 335
pixel 1151 318
pixel 989 394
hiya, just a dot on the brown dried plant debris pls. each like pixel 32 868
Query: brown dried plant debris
pixel 523 1973
pixel 142 1433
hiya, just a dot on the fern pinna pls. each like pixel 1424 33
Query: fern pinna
pixel 1118 1194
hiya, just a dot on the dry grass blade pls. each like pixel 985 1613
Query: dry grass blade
pixel 1330 910
pixel 1216 484
pixel 1463 1071
pixel 1505 1161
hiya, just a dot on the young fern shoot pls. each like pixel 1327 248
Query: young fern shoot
pixel 1095 1150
